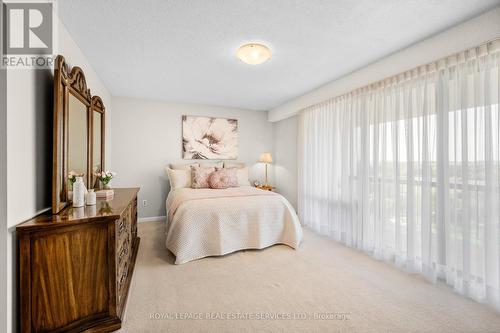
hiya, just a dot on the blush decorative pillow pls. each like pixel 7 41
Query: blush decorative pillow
pixel 199 177
pixel 231 174
pixel 219 179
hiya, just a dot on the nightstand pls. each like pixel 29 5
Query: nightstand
pixel 266 187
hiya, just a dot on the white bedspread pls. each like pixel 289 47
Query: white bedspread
pixel 206 222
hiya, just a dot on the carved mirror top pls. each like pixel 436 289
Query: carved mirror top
pixel 74 78
pixel 97 104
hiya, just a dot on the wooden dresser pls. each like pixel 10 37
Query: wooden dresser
pixel 75 267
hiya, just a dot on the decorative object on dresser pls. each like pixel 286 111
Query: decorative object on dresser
pixel 79 192
pixel 209 138
pixel 90 198
pixel 78 131
pixel 104 177
pixel 71 180
pixel 266 158
pixel 75 267
pixel 105 194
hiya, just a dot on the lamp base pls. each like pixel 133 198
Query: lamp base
pixel 265 187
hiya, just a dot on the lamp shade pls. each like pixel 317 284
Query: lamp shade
pixel 266 158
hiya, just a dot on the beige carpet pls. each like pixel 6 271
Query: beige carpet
pixel 354 292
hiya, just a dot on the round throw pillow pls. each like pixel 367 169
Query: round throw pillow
pixel 219 180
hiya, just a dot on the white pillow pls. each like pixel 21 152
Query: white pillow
pixel 179 178
pixel 242 175
pixel 212 164
pixel 183 166
pixel 234 165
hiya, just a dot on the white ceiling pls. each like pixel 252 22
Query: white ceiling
pixel 183 51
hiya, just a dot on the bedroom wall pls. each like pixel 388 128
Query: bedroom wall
pixel 29 147
pixel 147 136
pixel 469 34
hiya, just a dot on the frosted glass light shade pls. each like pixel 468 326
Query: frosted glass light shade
pixel 266 158
pixel 253 54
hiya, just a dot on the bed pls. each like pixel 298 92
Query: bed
pixel 214 222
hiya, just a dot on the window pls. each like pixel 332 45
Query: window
pixel 409 170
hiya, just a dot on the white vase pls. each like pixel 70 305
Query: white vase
pixel 91 197
pixel 103 186
pixel 79 190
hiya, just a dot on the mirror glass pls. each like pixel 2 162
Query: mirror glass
pixel 96 143
pixel 77 136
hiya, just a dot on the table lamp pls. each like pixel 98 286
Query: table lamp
pixel 266 158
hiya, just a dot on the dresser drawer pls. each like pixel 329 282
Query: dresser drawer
pixel 121 282
pixel 124 242
pixel 123 253
pixel 121 228
pixel 123 245
pixel 134 218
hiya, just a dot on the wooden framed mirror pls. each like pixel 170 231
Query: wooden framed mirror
pixel 97 137
pixel 78 131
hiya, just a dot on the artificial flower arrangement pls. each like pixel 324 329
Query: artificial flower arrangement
pixel 105 177
pixel 72 177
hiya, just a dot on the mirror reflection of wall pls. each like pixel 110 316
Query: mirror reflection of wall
pixel 96 139
pixel 77 136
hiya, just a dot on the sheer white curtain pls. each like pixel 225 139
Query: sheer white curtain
pixel 408 169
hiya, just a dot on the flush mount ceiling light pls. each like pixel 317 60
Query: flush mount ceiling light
pixel 253 53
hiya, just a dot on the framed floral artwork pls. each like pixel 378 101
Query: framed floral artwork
pixel 209 138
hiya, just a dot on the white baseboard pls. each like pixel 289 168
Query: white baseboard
pixel 151 219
